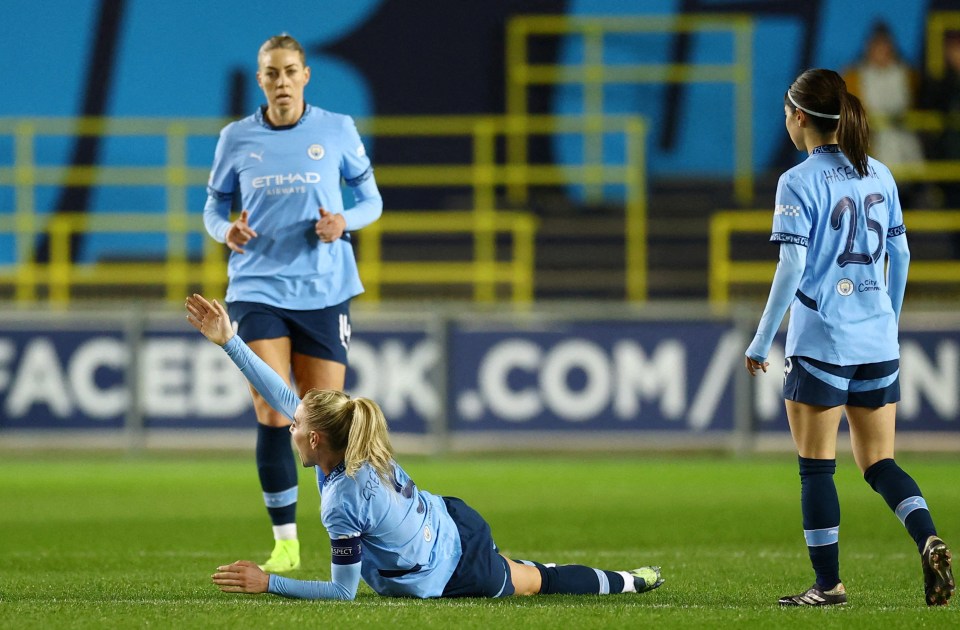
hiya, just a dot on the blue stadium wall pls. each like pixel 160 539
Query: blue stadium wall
pixel 381 57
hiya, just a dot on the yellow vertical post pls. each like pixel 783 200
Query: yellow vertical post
pixel 177 223
pixel 743 110
pixel 517 84
pixel 719 259
pixel 371 260
pixel 636 211
pixel 484 211
pixel 593 84
pixel 524 235
pixel 25 220
pixel 60 230
pixel 214 271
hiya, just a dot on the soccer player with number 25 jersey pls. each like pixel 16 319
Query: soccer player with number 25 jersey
pixel 292 269
pixel 839 223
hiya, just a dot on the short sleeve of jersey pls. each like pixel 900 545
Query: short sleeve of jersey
pixel 354 164
pixel 792 217
pixel 343 521
pixel 896 213
pixel 223 177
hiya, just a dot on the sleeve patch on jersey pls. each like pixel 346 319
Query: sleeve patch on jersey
pixel 787 210
pixel 359 179
pixel 220 196
pixel 345 550
pixel 786 237
pixel 896 231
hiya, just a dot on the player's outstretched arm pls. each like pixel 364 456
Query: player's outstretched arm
pixel 244 576
pixel 210 319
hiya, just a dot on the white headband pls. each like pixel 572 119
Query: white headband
pixel 810 111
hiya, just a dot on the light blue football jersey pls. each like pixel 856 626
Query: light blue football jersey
pixel 842 313
pixel 400 528
pixel 284 175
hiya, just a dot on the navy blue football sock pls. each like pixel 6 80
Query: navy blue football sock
pixel 821 518
pixel 278 473
pixel 576 579
pixel 903 496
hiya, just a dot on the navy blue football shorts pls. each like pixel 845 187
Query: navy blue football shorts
pixel 323 333
pixel 813 382
pixel 482 571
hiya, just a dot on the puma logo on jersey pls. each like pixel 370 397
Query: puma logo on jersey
pixel 258 156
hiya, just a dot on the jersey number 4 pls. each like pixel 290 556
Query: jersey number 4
pixel 849 206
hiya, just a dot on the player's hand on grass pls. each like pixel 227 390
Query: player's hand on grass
pixel 239 233
pixel 242 576
pixel 753 366
pixel 210 319
pixel 330 227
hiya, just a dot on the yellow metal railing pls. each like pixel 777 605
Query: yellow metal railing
pixel 176 273
pixel 725 272
pixel 486 176
pixel 938 23
pixel 593 74
pixel 481 172
pixel 483 273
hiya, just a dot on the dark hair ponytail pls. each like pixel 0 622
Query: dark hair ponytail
pixel 823 95
pixel 853 131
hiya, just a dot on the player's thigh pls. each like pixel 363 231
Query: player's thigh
pixel 320 339
pixel 814 429
pixel 872 433
pixel 316 373
pixel 525 578
pixel 276 354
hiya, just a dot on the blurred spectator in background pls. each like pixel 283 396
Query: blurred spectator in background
pixel 886 85
pixel 942 94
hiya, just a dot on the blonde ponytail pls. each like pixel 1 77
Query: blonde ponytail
pixel 355 426
pixel 369 440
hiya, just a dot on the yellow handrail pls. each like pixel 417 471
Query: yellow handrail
pixel 592 74
pixel 938 23
pixel 482 172
pixel 725 272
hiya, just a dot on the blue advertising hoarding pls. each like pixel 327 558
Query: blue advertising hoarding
pixel 52 377
pixel 465 377
pixel 594 375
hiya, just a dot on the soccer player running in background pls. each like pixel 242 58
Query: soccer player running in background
pixel 292 269
pixel 837 218
pixel 403 541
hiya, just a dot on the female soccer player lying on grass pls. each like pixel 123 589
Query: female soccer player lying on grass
pixel 401 540
pixel 837 220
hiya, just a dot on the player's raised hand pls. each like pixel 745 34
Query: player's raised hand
pixel 239 233
pixel 242 576
pixel 210 318
pixel 330 227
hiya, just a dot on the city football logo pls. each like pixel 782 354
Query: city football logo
pixel 845 287
pixel 315 151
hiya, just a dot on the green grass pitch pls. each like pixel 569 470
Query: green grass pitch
pixel 108 541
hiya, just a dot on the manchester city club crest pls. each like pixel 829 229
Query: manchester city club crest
pixel 845 287
pixel 315 151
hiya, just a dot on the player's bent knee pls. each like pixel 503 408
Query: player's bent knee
pixel 526 579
